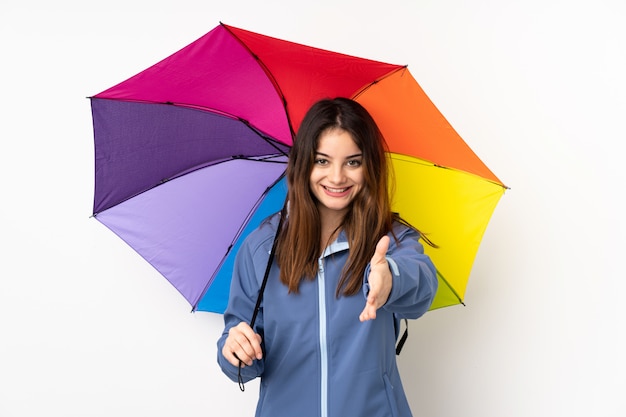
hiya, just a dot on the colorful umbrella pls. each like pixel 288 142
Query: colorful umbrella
pixel 190 156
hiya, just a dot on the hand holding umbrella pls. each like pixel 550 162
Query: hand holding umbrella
pixel 243 345
pixel 380 281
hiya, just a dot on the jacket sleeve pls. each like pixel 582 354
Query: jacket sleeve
pixel 414 277
pixel 244 290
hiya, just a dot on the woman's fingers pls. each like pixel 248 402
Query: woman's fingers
pixel 369 312
pixel 242 344
pixel 380 281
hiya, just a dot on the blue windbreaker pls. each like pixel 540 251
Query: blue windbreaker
pixel 319 359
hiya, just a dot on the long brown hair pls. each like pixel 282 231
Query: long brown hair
pixel 369 217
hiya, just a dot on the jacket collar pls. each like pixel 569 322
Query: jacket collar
pixel 338 245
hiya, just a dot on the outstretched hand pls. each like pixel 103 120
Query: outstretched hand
pixel 380 281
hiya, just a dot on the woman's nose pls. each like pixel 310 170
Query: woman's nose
pixel 336 174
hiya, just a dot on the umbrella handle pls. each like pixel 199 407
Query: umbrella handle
pixel 270 260
pixel 257 307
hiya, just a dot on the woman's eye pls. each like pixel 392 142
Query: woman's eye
pixel 354 163
pixel 321 161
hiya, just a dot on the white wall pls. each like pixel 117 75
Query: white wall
pixel 535 87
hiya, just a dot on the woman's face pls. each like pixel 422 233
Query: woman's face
pixel 337 175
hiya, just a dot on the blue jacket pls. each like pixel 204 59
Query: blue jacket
pixel 319 359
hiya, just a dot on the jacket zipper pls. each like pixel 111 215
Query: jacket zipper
pixel 323 348
pixel 334 247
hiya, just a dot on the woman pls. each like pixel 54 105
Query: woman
pixel 345 271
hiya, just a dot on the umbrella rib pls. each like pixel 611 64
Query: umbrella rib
pixel 442 278
pixel 417 161
pixel 269 159
pixel 267 138
pixel 237 235
pixel 376 81
pixel 269 75
pixel 265 159
pixel 270 141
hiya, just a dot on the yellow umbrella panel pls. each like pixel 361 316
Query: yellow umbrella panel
pixel 452 208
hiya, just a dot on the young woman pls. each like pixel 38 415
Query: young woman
pixel 345 271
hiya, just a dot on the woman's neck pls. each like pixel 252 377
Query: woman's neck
pixel 330 224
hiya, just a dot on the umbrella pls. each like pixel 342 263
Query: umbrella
pixel 190 156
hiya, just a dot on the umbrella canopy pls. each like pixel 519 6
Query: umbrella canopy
pixel 190 156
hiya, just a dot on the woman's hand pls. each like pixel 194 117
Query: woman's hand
pixel 242 344
pixel 380 281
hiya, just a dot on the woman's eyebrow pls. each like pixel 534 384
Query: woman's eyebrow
pixel 356 155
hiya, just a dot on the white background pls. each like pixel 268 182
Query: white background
pixel 536 88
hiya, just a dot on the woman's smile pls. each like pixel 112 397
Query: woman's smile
pixel 337 192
